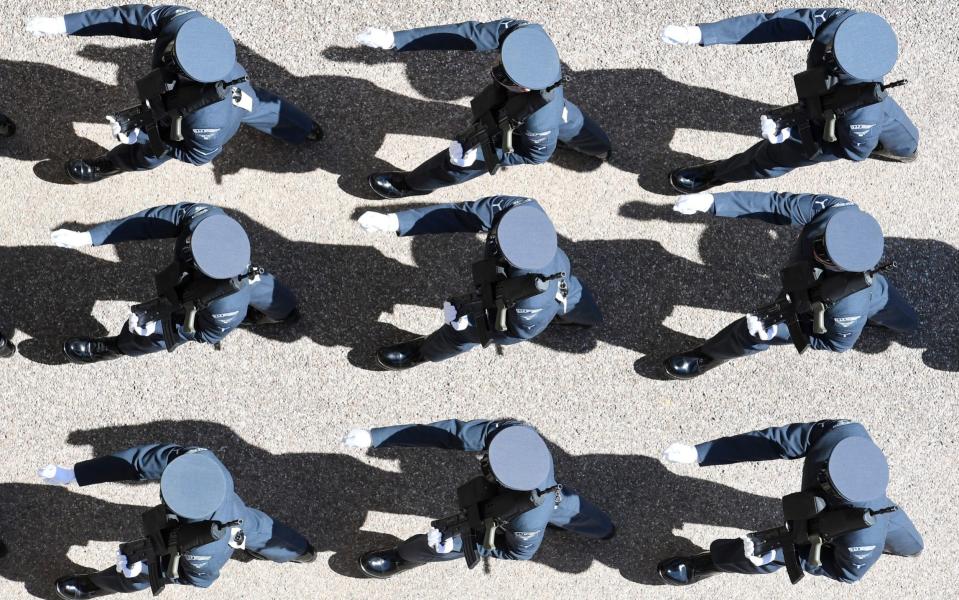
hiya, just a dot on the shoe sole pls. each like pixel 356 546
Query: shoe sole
pixel 370 574
pixel 369 180
pixel 672 375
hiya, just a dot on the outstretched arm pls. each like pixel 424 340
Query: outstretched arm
pixel 469 35
pixel 139 21
pixel 451 434
pixel 139 463
pixel 789 441
pixel 158 222
pixel 774 207
pixel 471 217
pixel 782 26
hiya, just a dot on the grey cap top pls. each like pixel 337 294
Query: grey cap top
pixel 204 50
pixel 220 247
pixel 194 485
pixel 519 458
pixel 854 241
pixel 526 237
pixel 857 470
pixel 530 58
pixel 865 47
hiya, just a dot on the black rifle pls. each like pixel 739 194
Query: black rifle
pixel 484 507
pixel 822 101
pixel 494 294
pixel 809 523
pixel 804 297
pixel 184 292
pixel 496 113
pixel 165 99
pixel 165 538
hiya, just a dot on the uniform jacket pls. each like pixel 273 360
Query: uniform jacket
pixel 848 557
pixel 208 129
pixel 535 141
pixel 178 221
pixel 530 316
pixel 846 319
pixel 517 540
pixel 860 131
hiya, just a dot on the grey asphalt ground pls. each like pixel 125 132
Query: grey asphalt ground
pixel 275 404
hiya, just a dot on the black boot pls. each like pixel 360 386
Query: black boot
pixel 882 154
pixel 689 365
pixel 7 348
pixel 315 134
pixel 81 170
pixel 690 180
pixel 392 185
pixel 256 318
pixel 79 587
pixel 7 127
pixel 687 570
pixel 401 356
pixel 382 564
pixel 88 350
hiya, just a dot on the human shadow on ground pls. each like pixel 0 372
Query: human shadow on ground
pixel 927 276
pixel 329 497
pixel 640 109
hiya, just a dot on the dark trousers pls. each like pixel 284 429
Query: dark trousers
pixel 265 536
pixel 578 132
pixel 271 114
pixel 446 342
pixel 574 513
pixel 902 539
pixel 735 340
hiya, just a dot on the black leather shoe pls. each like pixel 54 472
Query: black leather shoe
pixel 690 180
pixel 7 348
pixel 392 185
pixel 315 134
pixel 81 170
pixel 307 557
pixel 7 127
pixel 87 350
pixel 382 564
pixel 687 570
pixel 401 356
pixel 689 365
pixel 79 587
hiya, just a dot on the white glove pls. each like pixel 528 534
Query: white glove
pixel 129 138
pixel 54 475
pixel 358 438
pixel 771 130
pixel 682 35
pixel 133 324
pixel 449 317
pixel 434 539
pixel 372 222
pixel 690 204
pixel 756 329
pixel 129 571
pixel 749 550
pixel 681 453
pixel 41 26
pixel 65 238
pixel 376 38
pixel 459 158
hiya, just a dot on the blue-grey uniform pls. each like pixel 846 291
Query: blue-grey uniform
pixel 265 536
pixel 880 303
pixel 534 142
pixel 883 126
pixel 529 317
pixel 207 130
pixel 216 321
pixel 520 538
pixel 7 126
pixel 846 558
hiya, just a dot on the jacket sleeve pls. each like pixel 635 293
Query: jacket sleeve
pixel 781 26
pixel 535 142
pixel 858 132
pixel 470 217
pixel 789 442
pixel 139 21
pixel 469 35
pixel 774 207
pixel 159 222
pixel 142 463
pixel 451 434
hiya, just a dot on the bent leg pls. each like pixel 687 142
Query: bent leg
pixel 575 513
pixel 113 582
pixel 133 344
pixel 272 539
pixel 136 157
pixel 735 341
pixel 902 539
pixel 438 172
pixel 897 314
pixel 581 308
pixel 582 134
pixel 446 342
pixel 276 116
pixel 729 557
pixel 272 298
pixel 765 160
pixel 416 550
